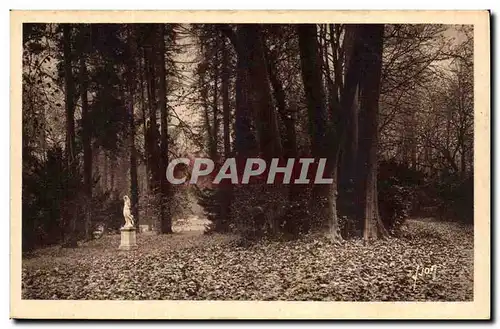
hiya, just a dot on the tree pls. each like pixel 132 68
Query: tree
pixel 166 219
pixel 86 130
pixel 131 85
pixel 372 39
pixel 152 134
pixel 227 190
pixel 322 145
pixel 250 37
pixel 70 213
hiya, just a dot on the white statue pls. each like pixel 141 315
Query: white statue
pixel 129 218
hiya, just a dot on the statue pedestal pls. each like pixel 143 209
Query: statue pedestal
pixel 128 240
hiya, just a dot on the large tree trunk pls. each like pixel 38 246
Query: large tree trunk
pixel 347 165
pixel 326 140
pixel 294 223
pixel 372 39
pixel 112 170
pixel 215 107
pixel 70 213
pixel 226 189
pixel 142 72
pixel 245 138
pixel 332 92
pixel 226 111
pixel 260 92
pixel 323 199
pixel 165 213
pixel 313 85
pixel 288 118
pixel 134 191
pixel 152 132
pixel 86 136
pixel 105 170
pixel 206 112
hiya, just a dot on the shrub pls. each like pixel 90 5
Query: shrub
pixel 260 210
pixel 395 203
pixel 45 184
pixel 107 210
pixel 456 197
pixel 397 186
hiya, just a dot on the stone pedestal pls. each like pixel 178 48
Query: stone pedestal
pixel 128 240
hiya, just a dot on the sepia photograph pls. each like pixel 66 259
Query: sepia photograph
pixel 279 161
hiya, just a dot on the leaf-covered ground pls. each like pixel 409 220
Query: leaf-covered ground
pixel 193 266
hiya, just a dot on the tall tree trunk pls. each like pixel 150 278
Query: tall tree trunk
pixel 338 58
pixel 313 85
pixel 323 199
pixel 104 176
pixel 112 172
pixel 166 220
pixel 206 112
pixel 332 93
pixel 226 111
pixel 226 189
pixel 296 192
pixel 215 112
pixel 152 133
pixel 142 72
pixel 70 212
pixel 86 136
pixel 134 189
pixel 288 118
pixel 347 175
pixel 372 39
pixel 326 140
pixel 260 99
pixel 246 143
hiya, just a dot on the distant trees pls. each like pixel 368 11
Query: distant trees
pixel 94 72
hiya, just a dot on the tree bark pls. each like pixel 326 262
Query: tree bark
pixel 142 72
pixel 290 140
pixel 347 166
pixel 323 200
pixel 166 220
pixel 215 107
pixel 112 172
pixel 134 189
pixel 70 212
pixel 152 134
pixel 226 111
pixel 86 135
pixel 294 223
pixel 226 189
pixel 372 39
pixel 313 85
pixel 260 92
pixel 246 143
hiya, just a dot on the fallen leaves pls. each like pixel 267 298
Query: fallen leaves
pixel 198 267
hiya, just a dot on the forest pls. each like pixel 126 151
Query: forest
pixel 106 107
